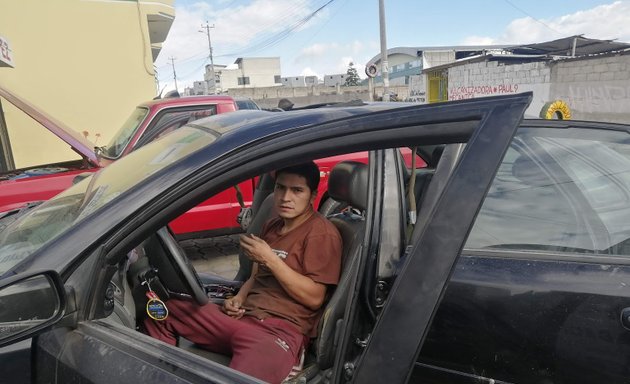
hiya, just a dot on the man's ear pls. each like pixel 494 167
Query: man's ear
pixel 313 196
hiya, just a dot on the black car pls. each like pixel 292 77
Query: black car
pixel 505 260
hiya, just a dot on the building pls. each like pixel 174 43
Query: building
pixel 404 62
pixel 335 80
pixel 573 77
pixel 250 72
pixel 199 88
pixel 299 81
pixel 86 63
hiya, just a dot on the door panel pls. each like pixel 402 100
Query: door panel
pixel 533 321
pixel 98 352
pixel 15 363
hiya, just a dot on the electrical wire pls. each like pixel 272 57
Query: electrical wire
pixel 297 8
pixel 532 17
pixel 278 37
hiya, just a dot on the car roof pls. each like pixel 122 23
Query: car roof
pixel 187 100
pixel 238 132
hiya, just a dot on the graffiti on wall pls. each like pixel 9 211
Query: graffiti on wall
pixel 417 96
pixel 472 91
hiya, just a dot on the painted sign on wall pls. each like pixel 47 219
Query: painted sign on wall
pixel 472 91
pixel 6 53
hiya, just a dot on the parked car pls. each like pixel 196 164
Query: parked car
pixel 246 103
pixel 22 189
pixel 516 269
pixel 149 120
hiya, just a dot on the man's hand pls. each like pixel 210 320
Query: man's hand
pixel 232 307
pixel 257 249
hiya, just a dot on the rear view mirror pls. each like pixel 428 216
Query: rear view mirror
pixel 29 304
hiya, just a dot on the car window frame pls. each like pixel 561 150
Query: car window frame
pixel 155 127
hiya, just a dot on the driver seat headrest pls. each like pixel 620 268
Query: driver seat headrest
pixel 348 183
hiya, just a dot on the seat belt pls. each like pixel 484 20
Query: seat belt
pixel 245 215
pixel 411 196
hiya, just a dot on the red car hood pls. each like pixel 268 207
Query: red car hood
pixel 79 144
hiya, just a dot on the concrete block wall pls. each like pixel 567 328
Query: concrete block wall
pixel 268 97
pixel 596 88
pixel 490 78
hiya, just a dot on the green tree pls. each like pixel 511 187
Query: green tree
pixel 352 76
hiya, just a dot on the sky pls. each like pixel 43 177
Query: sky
pixel 319 37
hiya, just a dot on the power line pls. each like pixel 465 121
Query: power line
pixel 269 41
pixel 278 37
pixel 532 17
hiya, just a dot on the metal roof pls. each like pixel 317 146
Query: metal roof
pixel 561 47
pixel 570 46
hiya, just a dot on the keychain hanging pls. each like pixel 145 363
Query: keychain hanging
pixel 156 309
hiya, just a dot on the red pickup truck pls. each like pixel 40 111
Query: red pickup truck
pixel 24 187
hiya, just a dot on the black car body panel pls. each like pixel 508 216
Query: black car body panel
pixel 514 319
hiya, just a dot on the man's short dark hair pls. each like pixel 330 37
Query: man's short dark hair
pixel 285 104
pixel 309 171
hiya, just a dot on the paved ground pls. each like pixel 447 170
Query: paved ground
pixel 217 255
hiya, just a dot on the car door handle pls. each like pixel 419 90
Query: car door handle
pixel 625 318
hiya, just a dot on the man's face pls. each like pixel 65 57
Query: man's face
pixel 292 196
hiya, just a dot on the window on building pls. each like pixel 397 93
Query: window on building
pixel 277 80
pixel 243 80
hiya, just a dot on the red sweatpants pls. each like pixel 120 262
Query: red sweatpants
pixel 266 349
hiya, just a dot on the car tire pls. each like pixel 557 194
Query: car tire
pixel 331 206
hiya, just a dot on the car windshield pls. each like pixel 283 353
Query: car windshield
pixel 48 221
pixel 246 104
pixel 120 140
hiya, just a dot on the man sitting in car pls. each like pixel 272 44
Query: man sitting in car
pixel 267 325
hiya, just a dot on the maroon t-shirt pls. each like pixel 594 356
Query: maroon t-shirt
pixel 313 249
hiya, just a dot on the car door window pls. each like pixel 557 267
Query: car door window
pixel 171 120
pixel 558 193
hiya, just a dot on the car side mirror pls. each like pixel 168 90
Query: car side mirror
pixel 29 304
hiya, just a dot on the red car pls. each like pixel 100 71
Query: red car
pixel 24 187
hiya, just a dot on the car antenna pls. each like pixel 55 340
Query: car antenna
pixel 159 96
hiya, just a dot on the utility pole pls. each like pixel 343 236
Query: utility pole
pixel 384 64
pixel 172 59
pixel 207 27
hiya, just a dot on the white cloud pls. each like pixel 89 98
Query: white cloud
pixel 331 58
pixel 608 21
pixel 308 71
pixel 250 26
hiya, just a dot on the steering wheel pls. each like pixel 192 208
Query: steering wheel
pixel 177 273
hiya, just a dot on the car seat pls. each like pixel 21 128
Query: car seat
pixel 348 183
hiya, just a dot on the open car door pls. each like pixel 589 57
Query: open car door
pixel 389 350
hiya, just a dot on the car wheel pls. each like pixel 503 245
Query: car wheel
pixel 331 207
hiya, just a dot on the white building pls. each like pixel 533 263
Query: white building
pixel 213 87
pixel 334 80
pixel 299 81
pixel 251 72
